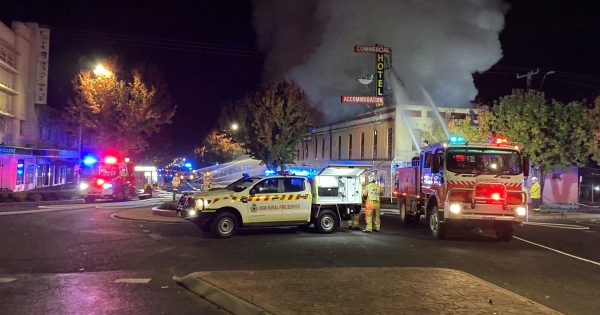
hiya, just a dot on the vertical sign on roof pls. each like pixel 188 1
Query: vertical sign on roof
pixel 41 79
pixel 379 68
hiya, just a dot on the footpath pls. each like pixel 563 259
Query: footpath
pixel 391 290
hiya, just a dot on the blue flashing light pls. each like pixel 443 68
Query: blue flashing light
pixel 89 160
pixel 457 140
pixel 20 172
pixel 188 165
pixel 269 172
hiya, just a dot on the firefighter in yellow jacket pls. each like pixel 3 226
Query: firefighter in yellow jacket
pixel 372 209
pixel 535 193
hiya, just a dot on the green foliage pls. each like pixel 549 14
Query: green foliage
pixel 219 147
pixel 117 113
pixel 554 135
pixel 462 127
pixel 271 122
pixel 34 197
pixel 593 117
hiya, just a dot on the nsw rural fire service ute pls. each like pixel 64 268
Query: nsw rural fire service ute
pixel 465 185
pixel 301 199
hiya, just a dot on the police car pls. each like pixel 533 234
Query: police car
pixel 322 199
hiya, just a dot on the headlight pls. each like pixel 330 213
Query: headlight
pixel 204 204
pixel 521 211
pixel 455 208
pixel 83 186
pixel 192 213
pixel 107 186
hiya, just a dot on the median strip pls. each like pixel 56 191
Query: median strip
pixel 134 280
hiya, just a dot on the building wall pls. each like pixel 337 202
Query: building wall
pixel 397 147
pixel 24 161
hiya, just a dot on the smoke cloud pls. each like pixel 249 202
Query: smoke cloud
pixel 436 44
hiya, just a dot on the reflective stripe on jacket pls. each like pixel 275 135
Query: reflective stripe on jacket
pixel 373 191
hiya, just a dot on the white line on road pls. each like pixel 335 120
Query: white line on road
pixel 558 225
pixel 133 280
pixel 43 210
pixel 558 251
pixel 155 237
pixel 7 280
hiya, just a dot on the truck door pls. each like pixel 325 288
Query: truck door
pixel 296 202
pixel 264 201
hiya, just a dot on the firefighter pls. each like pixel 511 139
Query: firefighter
pixel 372 209
pixel 535 193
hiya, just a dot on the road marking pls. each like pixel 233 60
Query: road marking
pixel 558 251
pixel 7 280
pixel 42 210
pixel 155 237
pixel 558 225
pixel 133 280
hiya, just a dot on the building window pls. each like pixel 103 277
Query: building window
pixel 339 147
pixel 330 147
pixel 362 145
pixel 305 145
pixel 349 147
pixel 390 141
pixel 7 57
pixel 323 148
pixel 375 144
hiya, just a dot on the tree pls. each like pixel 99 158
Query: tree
pixel 219 147
pixel 593 116
pixel 271 122
pixel 478 132
pixel 554 134
pixel 117 113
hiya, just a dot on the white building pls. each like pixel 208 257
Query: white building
pixel 385 137
pixel 26 160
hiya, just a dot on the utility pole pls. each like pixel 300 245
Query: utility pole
pixel 529 74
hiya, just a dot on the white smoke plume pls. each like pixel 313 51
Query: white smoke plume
pixel 438 44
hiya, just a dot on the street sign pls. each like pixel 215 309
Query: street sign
pixel 373 49
pixel 378 100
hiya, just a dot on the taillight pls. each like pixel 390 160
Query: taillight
pixel 395 192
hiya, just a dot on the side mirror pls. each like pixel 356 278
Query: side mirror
pixel 526 166
pixel 252 191
pixel 435 163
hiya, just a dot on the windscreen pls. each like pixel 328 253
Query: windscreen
pixel 483 161
pixel 242 183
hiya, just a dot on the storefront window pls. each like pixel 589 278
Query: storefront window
pixel 20 171
pixel 29 173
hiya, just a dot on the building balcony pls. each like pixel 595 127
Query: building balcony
pixel 7 89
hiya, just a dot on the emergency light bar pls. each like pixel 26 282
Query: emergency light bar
pixel 457 140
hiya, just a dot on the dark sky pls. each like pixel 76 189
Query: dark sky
pixel 207 54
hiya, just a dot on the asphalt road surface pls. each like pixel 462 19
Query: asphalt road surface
pixel 80 260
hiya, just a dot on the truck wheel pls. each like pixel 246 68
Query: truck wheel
pixel 327 222
pixel 405 218
pixel 437 228
pixel 223 225
pixel 504 233
pixel 89 199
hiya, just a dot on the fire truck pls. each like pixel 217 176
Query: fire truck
pixel 462 185
pixel 108 178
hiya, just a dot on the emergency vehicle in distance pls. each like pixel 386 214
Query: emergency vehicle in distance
pixel 322 198
pixel 108 178
pixel 465 185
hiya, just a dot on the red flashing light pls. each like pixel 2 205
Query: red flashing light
pixel 499 140
pixel 100 182
pixel 496 196
pixel 395 192
pixel 127 160
pixel 110 160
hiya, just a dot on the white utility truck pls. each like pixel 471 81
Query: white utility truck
pixel 295 198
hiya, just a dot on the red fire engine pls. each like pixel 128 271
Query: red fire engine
pixel 111 178
pixel 464 185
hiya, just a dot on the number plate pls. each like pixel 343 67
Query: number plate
pixel 488 218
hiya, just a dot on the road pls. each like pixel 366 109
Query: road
pixel 83 260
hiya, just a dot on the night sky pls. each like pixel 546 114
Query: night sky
pixel 207 51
